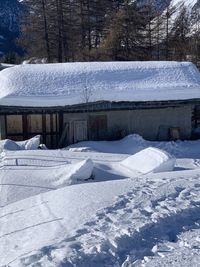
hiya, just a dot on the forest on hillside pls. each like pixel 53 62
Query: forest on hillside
pixel 93 30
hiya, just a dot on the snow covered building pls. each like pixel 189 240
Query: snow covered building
pixel 71 102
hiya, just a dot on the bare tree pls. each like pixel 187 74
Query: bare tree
pixel 87 92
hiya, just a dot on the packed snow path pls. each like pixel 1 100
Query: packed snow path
pixel 114 220
pixel 152 211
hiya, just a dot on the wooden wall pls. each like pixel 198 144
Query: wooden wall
pixel 60 129
pixel 20 127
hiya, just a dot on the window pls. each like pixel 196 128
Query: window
pixel 14 124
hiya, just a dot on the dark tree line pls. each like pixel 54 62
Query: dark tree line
pixel 90 30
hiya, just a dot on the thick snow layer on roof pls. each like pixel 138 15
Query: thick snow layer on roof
pixel 73 83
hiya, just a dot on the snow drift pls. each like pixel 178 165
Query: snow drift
pixel 134 143
pixel 20 182
pixel 128 145
pixel 30 144
pixel 72 173
pixel 150 160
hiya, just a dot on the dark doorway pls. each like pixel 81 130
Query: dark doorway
pixel 97 127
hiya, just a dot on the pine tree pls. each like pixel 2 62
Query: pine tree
pixel 125 35
pixel 167 20
pixel 179 35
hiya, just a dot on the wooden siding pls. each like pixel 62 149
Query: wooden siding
pixel 102 120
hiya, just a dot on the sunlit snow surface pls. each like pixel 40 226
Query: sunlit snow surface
pixel 69 83
pixel 187 3
pixel 117 218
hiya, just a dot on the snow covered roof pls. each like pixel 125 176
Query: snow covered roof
pixel 74 83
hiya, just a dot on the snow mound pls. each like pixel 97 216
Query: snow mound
pixel 150 160
pixel 134 143
pixel 8 144
pixel 30 144
pixel 20 182
pixel 72 173
pixel 128 145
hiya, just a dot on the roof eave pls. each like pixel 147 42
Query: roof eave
pixel 99 106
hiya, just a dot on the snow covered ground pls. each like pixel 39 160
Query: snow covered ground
pixel 82 206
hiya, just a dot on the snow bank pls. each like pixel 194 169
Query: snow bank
pixel 150 160
pixel 20 182
pixel 128 145
pixel 134 143
pixel 30 144
pixel 64 84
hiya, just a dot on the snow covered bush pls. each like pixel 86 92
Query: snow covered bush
pixel 30 144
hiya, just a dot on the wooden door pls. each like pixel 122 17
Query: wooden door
pixel 97 127
pixel 80 130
